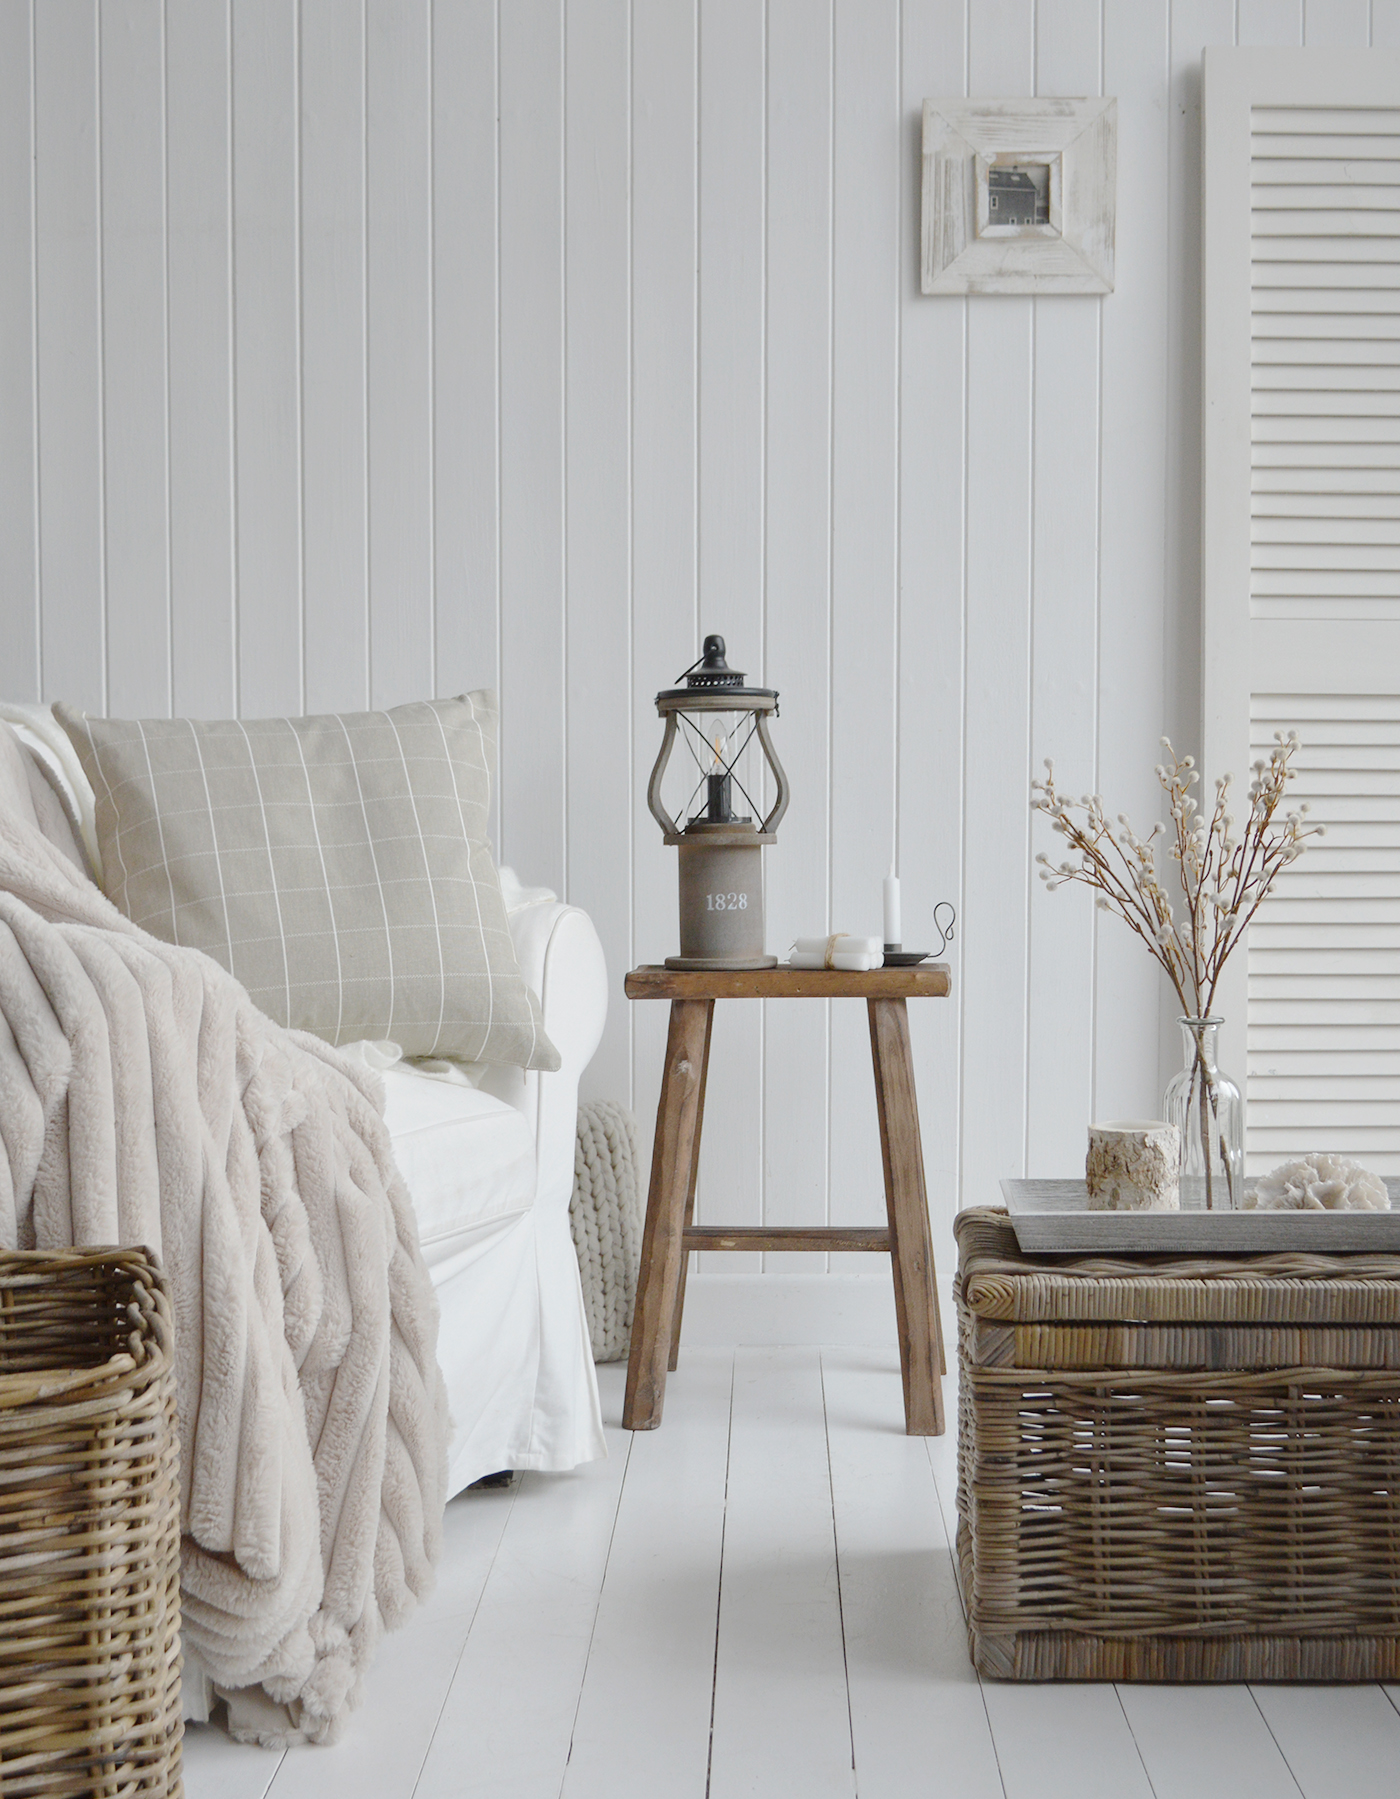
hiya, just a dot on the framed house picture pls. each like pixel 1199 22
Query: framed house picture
pixel 1018 196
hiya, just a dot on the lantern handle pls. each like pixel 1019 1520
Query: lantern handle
pixel 654 805
pixel 780 804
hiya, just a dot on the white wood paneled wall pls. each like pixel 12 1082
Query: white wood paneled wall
pixel 354 350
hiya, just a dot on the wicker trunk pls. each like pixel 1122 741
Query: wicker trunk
pixel 1178 1468
pixel 89 1528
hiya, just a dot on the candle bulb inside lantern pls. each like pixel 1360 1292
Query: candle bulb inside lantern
pixel 718 804
pixel 892 921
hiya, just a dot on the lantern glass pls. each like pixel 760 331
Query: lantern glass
pixel 719 774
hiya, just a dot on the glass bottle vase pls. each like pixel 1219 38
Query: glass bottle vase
pixel 1204 1104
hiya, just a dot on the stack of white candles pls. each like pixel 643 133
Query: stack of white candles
pixel 853 955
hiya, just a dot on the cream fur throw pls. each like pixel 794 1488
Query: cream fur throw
pixel 143 1099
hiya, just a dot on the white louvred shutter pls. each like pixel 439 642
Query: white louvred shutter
pixel 1324 955
pixel 1301 537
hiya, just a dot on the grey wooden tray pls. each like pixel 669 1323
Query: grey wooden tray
pixel 1053 1218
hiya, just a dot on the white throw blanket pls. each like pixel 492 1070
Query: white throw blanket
pixel 143 1099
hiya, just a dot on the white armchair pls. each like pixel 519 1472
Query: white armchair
pixel 490 1167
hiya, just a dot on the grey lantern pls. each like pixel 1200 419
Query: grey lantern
pixel 718 719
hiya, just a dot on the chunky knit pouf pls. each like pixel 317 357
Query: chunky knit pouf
pixel 605 1216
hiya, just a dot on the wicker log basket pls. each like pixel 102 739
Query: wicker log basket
pixel 89 1528
pixel 1178 1468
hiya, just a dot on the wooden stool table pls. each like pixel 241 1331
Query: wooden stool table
pixel 671 1231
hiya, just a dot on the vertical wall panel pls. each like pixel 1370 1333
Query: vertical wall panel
pixel 466 587
pixel 398 253
pixel 199 274
pixel 1064 642
pixel 1000 375
pixel 733 64
pixel 864 554
pixel 267 372
pixel 1270 21
pixel 19 473
pixel 134 413
pixel 1132 613
pixel 1194 24
pixel 1342 22
pixel 73 639
pixel 597 399
pixel 532 438
pixel 1385 24
pixel 664 172
pixel 797 583
pixel 335 500
pixel 932 501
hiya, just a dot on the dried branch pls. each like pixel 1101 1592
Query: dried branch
pixel 1223 878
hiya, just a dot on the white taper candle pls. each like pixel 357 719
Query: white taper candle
pixel 892 928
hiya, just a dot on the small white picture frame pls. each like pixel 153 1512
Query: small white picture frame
pixel 1018 196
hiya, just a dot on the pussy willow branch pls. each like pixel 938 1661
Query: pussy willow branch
pixel 1223 879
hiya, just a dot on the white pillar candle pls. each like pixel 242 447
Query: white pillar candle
pixel 892 931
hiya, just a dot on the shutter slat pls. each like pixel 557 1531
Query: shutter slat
pixel 1275 966
pixel 1319 145
pixel 1273 383
pixel 1359 124
pixel 1328 556
pixel 1360 512
pixel 1330 402
pixel 1308 171
pixel 1313 457
pixel 1272 350
pixel 1344 484
pixel 1343 533
pixel 1334 428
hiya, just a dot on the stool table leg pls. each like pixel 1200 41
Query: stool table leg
pixel 673 1151
pixel 690 1198
pixel 906 1201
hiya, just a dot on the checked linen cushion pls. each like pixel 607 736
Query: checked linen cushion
pixel 338 866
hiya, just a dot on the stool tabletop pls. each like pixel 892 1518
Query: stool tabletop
pixel 926 980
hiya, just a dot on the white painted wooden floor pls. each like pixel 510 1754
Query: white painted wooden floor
pixel 758 1599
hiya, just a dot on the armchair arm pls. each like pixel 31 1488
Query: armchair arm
pixel 562 961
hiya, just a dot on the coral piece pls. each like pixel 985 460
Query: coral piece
pixel 1321 1183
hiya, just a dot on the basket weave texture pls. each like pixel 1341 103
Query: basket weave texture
pixel 89 1528
pixel 1175 1468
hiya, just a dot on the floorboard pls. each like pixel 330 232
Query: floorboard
pixel 917 1716
pixel 645 1705
pixel 387 1740
pixel 505 1727
pixel 781 1723
pixel 1340 1742
pixel 1205 1742
pixel 1063 1740
pixel 217 1768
